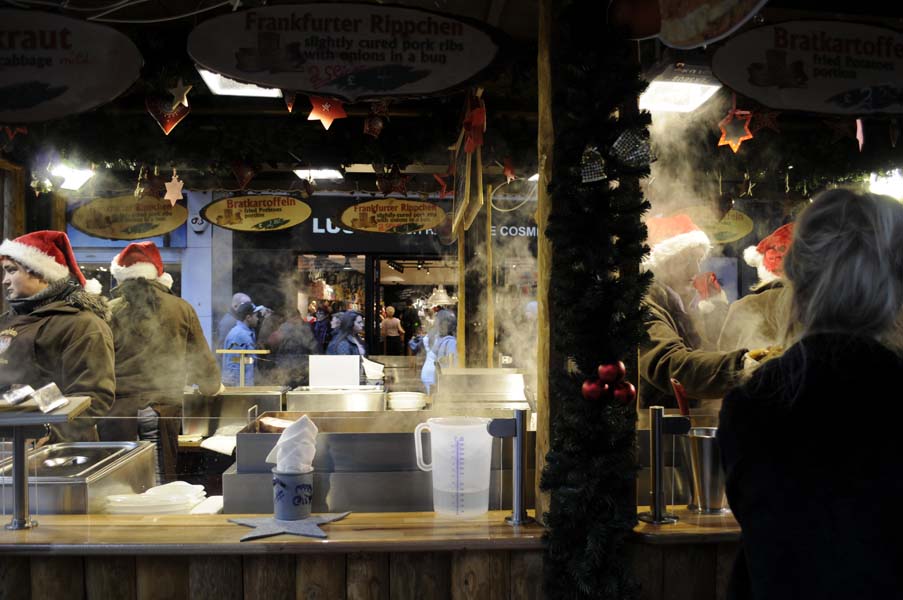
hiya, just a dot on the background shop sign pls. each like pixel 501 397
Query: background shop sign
pixel 731 227
pixel 256 213
pixel 128 217
pixel 393 215
pixel 53 66
pixel 817 66
pixel 348 51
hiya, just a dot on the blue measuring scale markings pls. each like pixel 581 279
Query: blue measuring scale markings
pixel 464 493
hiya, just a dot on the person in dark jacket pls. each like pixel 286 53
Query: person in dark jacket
pixel 345 339
pixel 677 347
pixel 160 348
pixel 291 346
pixel 56 330
pixel 810 443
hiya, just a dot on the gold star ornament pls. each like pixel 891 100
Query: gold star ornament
pixel 174 189
pixel 180 94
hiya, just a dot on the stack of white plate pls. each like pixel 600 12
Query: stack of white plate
pixel 177 497
pixel 407 400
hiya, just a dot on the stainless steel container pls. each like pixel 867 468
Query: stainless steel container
pixel 705 467
pixel 203 415
pixel 401 373
pixel 76 477
pixel 492 388
pixel 362 398
pixel 364 462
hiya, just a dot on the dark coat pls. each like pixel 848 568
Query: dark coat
pixel 811 448
pixel 674 349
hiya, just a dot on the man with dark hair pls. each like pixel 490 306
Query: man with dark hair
pixel 410 322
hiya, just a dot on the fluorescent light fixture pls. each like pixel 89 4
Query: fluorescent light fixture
pixel 73 179
pixel 318 174
pixel 223 86
pixel 533 177
pixel 679 88
pixel 890 184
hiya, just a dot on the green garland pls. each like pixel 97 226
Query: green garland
pixel 597 235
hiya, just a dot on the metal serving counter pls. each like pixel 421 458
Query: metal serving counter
pixel 363 398
pixel 365 461
pixel 203 415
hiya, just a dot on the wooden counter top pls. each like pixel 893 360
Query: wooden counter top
pixel 691 528
pixel 213 534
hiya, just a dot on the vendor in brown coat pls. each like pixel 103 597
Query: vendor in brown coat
pixel 676 347
pixel 55 330
pixel 160 348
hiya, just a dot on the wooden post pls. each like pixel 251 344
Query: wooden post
pixel 462 270
pixel 490 301
pixel 545 143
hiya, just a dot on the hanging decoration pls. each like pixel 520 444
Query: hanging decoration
pixel 289 98
pixel 841 129
pixel 180 94
pixel 376 120
pixel 325 110
pixel 860 134
pixel 764 120
pixel 735 127
pixel 632 149
pixel 474 122
pixel 166 116
pixel 243 172
pixel 508 170
pixel 142 182
pixel 174 189
pixel 592 165
pixel 12 132
pixel 443 184
pixel 392 182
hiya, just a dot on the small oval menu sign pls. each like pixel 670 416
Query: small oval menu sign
pixel 344 50
pixel 52 66
pixel 128 217
pixel 393 215
pixel 257 214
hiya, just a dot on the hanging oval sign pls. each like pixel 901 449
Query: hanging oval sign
pixel 817 66
pixel 54 66
pixel 128 217
pixel 347 51
pixel 733 226
pixel 257 213
pixel 393 215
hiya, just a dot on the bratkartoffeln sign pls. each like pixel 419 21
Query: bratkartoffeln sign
pixel 53 66
pixel 348 51
pixel 817 66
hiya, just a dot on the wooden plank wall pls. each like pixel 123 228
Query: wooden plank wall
pixel 489 575
pixel 682 571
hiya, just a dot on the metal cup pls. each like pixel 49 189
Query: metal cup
pixel 705 468
pixel 293 495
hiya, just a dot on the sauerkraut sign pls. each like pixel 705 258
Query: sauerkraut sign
pixel 393 215
pixel 347 51
pixel 128 217
pixel 817 66
pixel 53 66
pixel 257 213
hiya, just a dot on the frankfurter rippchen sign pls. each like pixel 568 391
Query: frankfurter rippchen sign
pixel 347 51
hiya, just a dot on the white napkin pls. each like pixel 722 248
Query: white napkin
pixel 295 450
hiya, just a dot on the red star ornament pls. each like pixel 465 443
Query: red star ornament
pixel 325 110
pixel 164 114
pixel 735 129
pixel 289 98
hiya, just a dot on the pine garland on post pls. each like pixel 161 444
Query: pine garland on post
pixel 597 237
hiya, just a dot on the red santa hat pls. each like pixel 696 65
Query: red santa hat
pixel 140 260
pixel 768 255
pixel 670 236
pixel 47 254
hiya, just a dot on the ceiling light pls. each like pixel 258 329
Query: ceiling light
pixel 347 266
pixel 533 177
pixel 223 86
pixel 398 267
pixel 680 87
pixel 890 184
pixel 439 297
pixel 73 179
pixel 318 174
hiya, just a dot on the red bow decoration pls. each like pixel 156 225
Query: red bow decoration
pixel 474 124
pixel 12 132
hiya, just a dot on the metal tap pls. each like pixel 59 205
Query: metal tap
pixel 673 425
pixel 516 429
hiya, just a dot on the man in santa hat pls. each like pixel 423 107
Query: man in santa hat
pixel 55 330
pixel 160 348
pixel 760 319
pixel 676 347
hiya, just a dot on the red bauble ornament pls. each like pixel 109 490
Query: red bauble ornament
pixel 612 373
pixel 593 389
pixel 625 393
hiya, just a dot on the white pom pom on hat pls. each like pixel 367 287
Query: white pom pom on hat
pixel 768 255
pixel 670 236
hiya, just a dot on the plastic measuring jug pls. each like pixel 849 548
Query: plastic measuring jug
pixel 461 449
